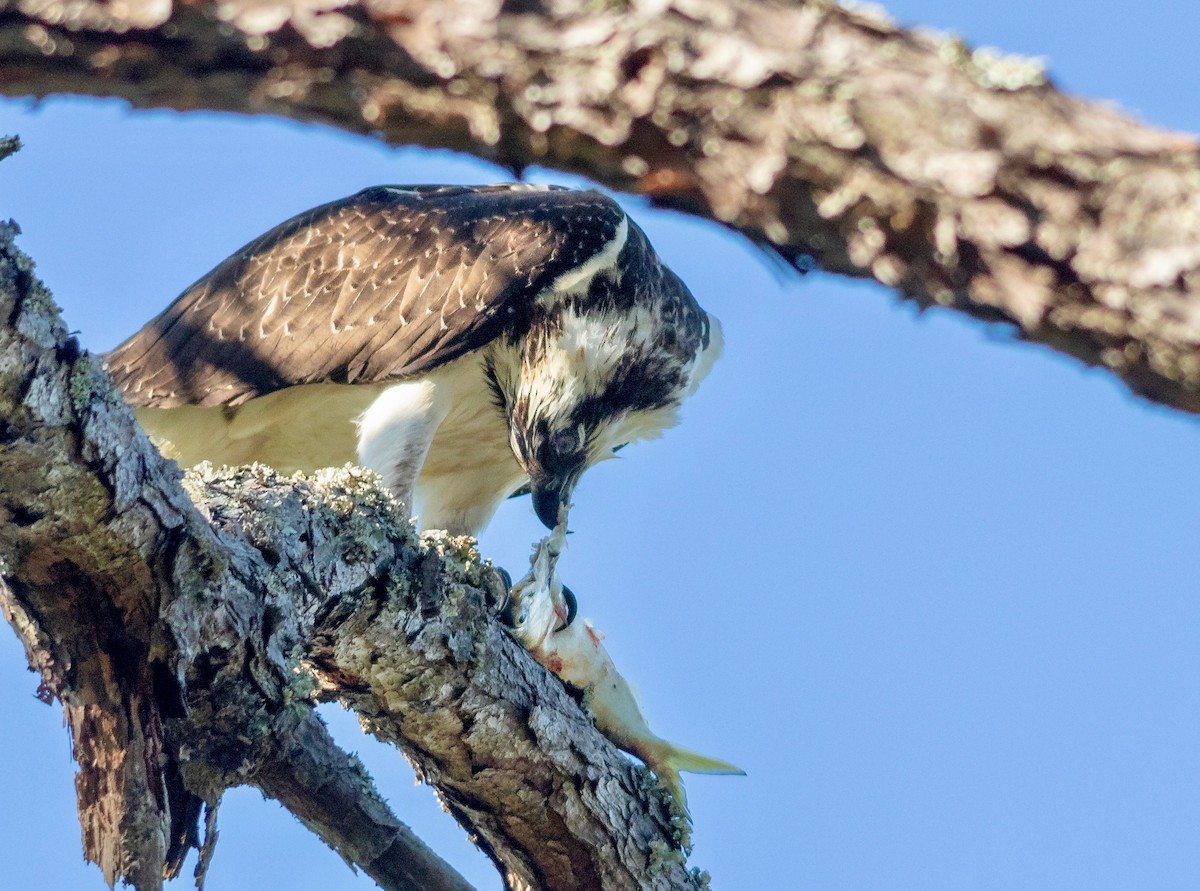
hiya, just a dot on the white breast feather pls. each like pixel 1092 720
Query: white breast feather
pixel 395 432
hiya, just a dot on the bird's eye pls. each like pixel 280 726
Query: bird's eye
pixel 566 442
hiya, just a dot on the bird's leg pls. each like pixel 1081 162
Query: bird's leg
pixel 539 604
pixel 395 432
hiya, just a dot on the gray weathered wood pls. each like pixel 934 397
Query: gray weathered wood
pixel 963 179
pixel 186 641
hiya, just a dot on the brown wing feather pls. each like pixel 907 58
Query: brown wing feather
pixel 382 285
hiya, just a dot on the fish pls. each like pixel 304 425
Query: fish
pixel 540 614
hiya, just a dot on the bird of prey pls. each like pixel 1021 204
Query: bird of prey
pixel 462 341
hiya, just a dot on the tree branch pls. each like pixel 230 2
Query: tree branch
pixel 406 637
pixel 175 638
pixel 172 638
pixel 962 179
pixel 332 795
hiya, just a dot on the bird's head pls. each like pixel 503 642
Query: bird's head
pixel 555 458
pixel 596 384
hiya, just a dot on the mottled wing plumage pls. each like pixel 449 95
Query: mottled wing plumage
pixel 383 285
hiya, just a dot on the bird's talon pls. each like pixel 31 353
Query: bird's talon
pixel 505 610
pixel 572 608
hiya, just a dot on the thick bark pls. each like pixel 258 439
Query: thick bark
pixel 177 636
pixel 330 793
pixel 172 636
pixel 962 179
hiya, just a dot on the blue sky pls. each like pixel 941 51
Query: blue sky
pixel 934 590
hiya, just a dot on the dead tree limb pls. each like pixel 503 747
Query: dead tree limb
pixel 183 641
pixel 962 179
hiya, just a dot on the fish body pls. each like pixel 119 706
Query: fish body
pixel 577 655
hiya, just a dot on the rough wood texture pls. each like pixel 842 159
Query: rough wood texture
pixel 402 631
pixel 173 633
pixel 961 178
pixel 82 595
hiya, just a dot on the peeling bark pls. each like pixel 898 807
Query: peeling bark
pixel 184 642
pixel 963 179
pixel 186 638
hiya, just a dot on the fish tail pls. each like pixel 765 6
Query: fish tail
pixel 670 782
pixel 681 759
pixel 667 760
pixel 669 779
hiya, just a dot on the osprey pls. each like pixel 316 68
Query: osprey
pixel 464 342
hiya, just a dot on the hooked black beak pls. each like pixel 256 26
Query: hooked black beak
pixel 548 500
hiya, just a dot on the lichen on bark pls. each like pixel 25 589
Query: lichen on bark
pixel 184 622
pixel 961 178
